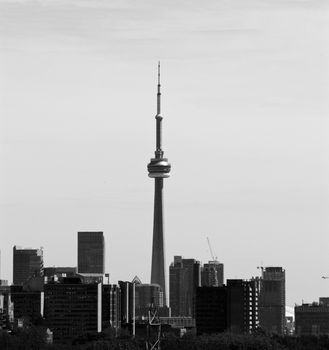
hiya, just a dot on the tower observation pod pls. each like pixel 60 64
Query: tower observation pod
pixel 158 168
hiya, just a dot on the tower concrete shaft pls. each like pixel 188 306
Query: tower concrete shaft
pixel 158 168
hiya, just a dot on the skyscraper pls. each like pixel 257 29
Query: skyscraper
pixel 242 305
pixel 91 253
pixel 272 300
pixel 184 278
pixel 26 263
pixel 212 274
pixel 158 168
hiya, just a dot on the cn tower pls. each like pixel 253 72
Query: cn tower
pixel 158 168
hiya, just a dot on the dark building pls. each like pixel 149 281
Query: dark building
pixel 51 273
pixel 272 300
pixel 212 274
pixel 312 319
pixel 242 305
pixel 111 307
pixel 72 309
pixel 91 253
pixel 211 310
pixel 146 296
pixel 127 307
pixel 26 263
pixel 27 304
pixel 158 169
pixel 230 308
pixel 5 304
pixel 184 278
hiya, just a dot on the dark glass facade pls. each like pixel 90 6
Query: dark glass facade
pixel 272 300
pixel 212 274
pixel 72 308
pixel 211 310
pixel 26 263
pixel 312 319
pixel 91 253
pixel 27 304
pixel 242 305
pixel 184 278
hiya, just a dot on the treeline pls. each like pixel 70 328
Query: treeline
pixel 33 338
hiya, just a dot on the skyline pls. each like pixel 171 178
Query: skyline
pixel 251 84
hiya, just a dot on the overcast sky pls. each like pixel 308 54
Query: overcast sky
pixel 245 103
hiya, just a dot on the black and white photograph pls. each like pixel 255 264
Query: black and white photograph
pixel 164 174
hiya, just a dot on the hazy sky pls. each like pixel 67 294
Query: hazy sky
pixel 245 106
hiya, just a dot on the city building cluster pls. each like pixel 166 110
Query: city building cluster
pixel 74 301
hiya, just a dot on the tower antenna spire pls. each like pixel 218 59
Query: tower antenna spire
pixel 159 92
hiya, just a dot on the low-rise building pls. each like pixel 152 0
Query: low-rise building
pixel 312 319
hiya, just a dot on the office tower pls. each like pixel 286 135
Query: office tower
pixel 91 254
pixel 26 263
pixel 272 300
pixel 158 168
pixel 184 278
pixel 212 274
pixel 211 310
pixel 312 319
pixel 72 308
pixel 242 305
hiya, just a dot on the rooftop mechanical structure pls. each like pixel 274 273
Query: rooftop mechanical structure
pixel 158 168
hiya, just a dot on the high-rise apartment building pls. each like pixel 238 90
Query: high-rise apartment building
pixel 242 305
pixel 272 300
pixel 184 278
pixel 91 253
pixel 26 263
pixel 232 308
pixel 212 274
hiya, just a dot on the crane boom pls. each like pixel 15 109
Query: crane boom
pixel 211 251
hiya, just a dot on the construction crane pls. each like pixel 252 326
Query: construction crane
pixel 212 266
pixel 211 251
